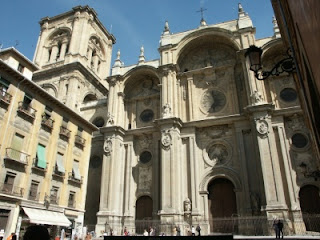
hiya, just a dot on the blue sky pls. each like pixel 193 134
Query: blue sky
pixel 133 22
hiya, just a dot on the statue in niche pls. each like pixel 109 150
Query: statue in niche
pixel 187 205
pixel 110 119
pixel 166 110
pixel 108 146
pixel 256 97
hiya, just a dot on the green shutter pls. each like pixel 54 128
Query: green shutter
pixel 41 154
pixel 16 145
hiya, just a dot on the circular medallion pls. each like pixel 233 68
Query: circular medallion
pixel 288 95
pixel 213 101
pixel 262 127
pixel 145 157
pixel 166 140
pixel 147 115
pixel 218 153
pixel 299 140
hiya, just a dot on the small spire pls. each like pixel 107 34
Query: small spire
pixel 117 62
pixel 141 57
pixel 276 30
pixel 166 28
pixel 241 12
pixel 202 21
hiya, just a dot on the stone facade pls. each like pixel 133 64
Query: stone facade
pixel 35 129
pixel 184 139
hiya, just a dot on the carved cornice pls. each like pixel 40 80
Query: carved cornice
pixel 173 121
pixel 113 130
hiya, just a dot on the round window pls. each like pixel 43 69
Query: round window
pixel 145 157
pixel 146 115
pixel 299 140
pixel 99 122
pixel 288 95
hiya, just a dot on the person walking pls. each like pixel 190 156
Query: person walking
pixel 198 230
pixel 280 228
pixel 276 228
pixel 193 231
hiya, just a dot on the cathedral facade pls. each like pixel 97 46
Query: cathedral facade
pixel 185 139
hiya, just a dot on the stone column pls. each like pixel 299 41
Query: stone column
pixel 89 53
pixel 269 159
pixel 54 53
pixel 190 98
pixel 169 169
pixel 63 50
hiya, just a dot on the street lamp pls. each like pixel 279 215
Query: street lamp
pixel 304 169
pixel 254 55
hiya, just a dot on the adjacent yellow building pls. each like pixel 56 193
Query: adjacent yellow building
pixel 44 151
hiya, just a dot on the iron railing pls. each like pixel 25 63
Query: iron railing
pixel 4 96
pixel 11 189
pixel 27 109
pixel 306 224
pixel 71 177
pixel 17 156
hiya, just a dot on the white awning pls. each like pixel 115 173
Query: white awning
pixel 39 216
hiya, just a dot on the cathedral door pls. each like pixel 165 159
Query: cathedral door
pixel 144 207
pixel 310 207
pixel 222 205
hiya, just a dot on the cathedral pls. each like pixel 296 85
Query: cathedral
pixel 192 138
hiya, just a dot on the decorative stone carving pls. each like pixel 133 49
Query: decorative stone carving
pixel 218 153
pixel 256 97
pixel 166 111
pixel 262 126
pixel 145 141
pixel 216 132
pixel 166 139
pixel 110 119
pixel 108 146
pixel 187 205
pixel 212 101
pixel 294 123
pixel 145 178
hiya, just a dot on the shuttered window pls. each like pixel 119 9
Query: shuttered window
pixel 60 165
pixel 41 156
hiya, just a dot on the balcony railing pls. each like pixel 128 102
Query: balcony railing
pixel 58 173
pixel 27 110
pixel 17 156
pixel 47 122
pixel 54 199
pixel 71 203
pixel 5 97
pixel 11 189
pixel 33 196
pixel 80 141
pixel 73 179
pixel 64 132
pixel 35 165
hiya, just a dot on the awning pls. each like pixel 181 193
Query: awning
pixel 76 171
pixel 39 216
pixel 60 163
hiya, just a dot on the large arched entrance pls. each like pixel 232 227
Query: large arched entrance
pixel 222 205
pixel 144 207
pixel 310 207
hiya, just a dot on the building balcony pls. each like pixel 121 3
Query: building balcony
pixel 71 178
pixel 57 173
pixel 36 168
pixel 10 189
pixel 5 98
pixel 54 200
pixel 26 111
pixel 34 196
pixel 16 156
pixel 47 123
pixel 79 141
pixel 71 204
pixel 64 133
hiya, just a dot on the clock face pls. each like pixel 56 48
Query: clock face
pixel 213 101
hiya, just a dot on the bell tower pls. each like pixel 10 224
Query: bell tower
pixel 74 54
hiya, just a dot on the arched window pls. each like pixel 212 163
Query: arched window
pixel 89 98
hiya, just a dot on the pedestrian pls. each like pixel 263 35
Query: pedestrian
pixel 88 236
pixel 1 234
pixel 145 233
pixel 193 231
pixel 280 227
pixel 36 232
pixel 152 232
pixel 178 231
pixel 10 237
pixel 276 228
pixel 198 230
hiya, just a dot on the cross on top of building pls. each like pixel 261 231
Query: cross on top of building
pixel 202 10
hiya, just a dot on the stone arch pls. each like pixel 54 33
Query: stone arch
pixel 206 47
pixel 220 172
pixel 96 41
pixel 51 89
pixel 144 207
pixel 89 97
